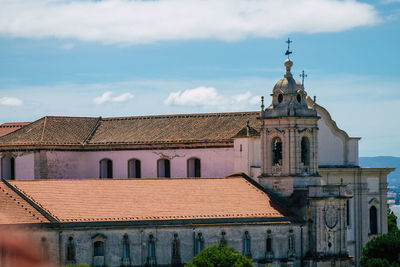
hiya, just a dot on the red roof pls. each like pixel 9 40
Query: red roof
pixel 9 127
pixel 94 200
pixel 15 210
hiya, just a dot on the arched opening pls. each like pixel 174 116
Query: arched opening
pixel 106 168
pixel 134 168
pixel 305 151
pixel 193 167
pixel 8 168
pixel 222 241
pixel 176 254
pixel 276 152
pixel 70 257
pixel 246 244
pixel 199 246
pixel 151 251
pixel 163 168
pixel 280 98
pixel 126 252
pixel 98 249
pixel 373 220
pixel 45 248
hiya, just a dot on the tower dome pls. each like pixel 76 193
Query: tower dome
pixel 288 97
pixel 288 85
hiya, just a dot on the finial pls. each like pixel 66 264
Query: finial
pixel 303 75
pixel 288 64
pixel 288 52
pixel 248 128
pixel 262 103
pixel 247 123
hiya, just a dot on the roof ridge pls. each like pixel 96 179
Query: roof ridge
pixel 44 127
pixel 93 131
pixel 193 115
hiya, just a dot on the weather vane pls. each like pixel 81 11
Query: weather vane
pixel 303 75
pixel 288 52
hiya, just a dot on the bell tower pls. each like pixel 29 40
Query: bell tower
pixel 289 135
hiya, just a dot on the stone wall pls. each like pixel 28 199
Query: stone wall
pixel 83 238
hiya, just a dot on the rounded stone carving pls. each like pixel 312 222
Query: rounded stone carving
pixel 331 217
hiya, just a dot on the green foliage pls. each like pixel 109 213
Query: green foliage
pixel 392 221
pixel 383 250
pixel 219 256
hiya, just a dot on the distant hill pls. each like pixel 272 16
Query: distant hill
pixel 385 161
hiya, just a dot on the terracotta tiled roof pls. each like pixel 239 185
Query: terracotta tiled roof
pixel 52 130
pixel 247 132
pixel 9 127
pixel 184 128
pixel 15 210
pixel 93 200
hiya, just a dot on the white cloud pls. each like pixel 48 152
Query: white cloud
pixel 10 101
pixel 106 97
pixel 208 97
pixel 200 96
pixel 242 97
pixel 68 46
pixel 255 100
pixel 133 22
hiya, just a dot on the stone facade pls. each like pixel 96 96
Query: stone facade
pixel 295 152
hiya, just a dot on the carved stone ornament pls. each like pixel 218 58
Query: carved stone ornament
pixel 331 217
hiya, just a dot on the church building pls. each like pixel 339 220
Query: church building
pixel 281 185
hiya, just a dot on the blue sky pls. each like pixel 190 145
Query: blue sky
pixel 123 58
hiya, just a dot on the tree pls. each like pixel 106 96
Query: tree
pixel 382 251
pixel 392 221
pixel 219 256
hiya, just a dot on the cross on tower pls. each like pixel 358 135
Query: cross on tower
pixel 303 75
pixel 288 52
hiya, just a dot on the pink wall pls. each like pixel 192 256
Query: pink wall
pixel 214 162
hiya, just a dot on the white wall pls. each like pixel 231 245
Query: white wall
pixel 330 146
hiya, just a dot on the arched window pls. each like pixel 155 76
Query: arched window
pixel 276 152
pixel 151 251
pixel 222 241
pixel 134 168
pixel 70 251
pixel 8 168
pixel 199 246
pixel 305 151
pixel 373 220
pixel 163 168
pixel 45 248
pixel 176 255
pixel 106 168
pixel 193 167
pixel 126 252
pixel 98 249
pixel 246 244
